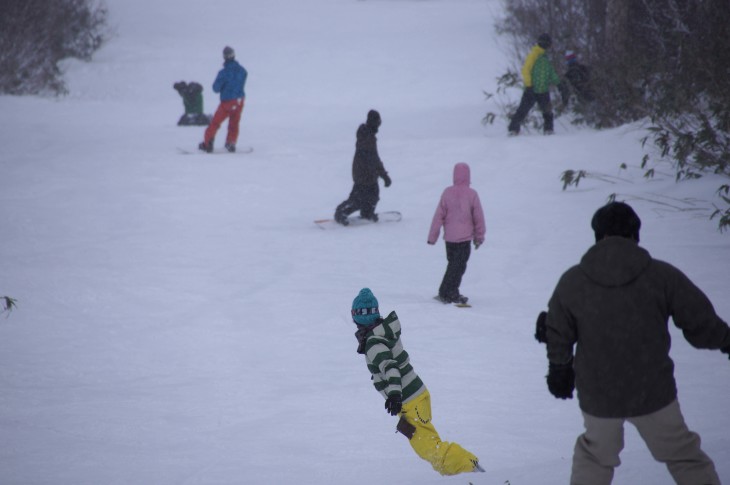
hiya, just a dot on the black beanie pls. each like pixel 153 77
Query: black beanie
pixel 544 41
pixel 616 219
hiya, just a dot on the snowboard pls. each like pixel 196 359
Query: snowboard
pixel 458 305
pixel 354 221
pixel 239 151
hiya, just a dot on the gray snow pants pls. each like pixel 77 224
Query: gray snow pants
pixel 665 434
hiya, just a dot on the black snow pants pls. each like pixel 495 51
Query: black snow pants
pixel 457 255
pixel 529 98
pixel 363 198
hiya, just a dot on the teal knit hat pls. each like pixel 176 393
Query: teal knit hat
pixel 365 308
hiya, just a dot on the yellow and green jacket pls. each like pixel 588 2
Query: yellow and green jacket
pixel 387 361
pixel 537 71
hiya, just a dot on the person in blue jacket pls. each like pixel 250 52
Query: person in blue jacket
pixel 229 83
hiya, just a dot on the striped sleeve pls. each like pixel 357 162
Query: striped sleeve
pixel 384 365
pixel 388 362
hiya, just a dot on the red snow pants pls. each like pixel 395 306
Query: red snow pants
pixel 231 109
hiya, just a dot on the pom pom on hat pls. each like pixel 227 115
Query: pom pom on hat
pixel 365 308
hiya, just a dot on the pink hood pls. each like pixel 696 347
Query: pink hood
pixel 462 174
pixel 459 211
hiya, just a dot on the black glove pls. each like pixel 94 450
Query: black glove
pixel 726 350
pixel 541 328
pixel 387 180
pixel 561 380
pixel 393 404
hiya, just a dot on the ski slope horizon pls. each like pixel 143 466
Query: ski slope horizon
pixel 182 320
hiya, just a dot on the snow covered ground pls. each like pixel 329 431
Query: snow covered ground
pixel 180 318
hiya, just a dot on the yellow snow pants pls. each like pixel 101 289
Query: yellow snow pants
pixel 446 458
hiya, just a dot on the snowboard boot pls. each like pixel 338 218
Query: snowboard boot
pixel 230 147
pixel 206 147
pixel 461 299
pixel 458 299
pixel 341 218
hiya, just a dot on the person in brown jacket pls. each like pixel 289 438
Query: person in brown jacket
pixel 614 307
pixel 366 169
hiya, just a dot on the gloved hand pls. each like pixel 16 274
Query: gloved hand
pixel 561 380
pixel 393 404
pixel 476 244
pixel 541 328
pixel 726 350
pixel 387 180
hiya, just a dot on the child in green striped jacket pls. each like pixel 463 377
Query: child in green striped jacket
pixel 404 392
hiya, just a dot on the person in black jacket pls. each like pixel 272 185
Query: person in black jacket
pixel 366 169
pixel 578 78
pixel 614 307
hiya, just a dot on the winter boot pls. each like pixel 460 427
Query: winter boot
pixel 206 147
pixel 230 147
pixel 547 126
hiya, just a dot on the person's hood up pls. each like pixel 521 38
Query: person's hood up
pixel 462 174
pixel 615 261
pixel 373 120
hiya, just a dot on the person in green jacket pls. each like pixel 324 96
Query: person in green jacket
pixel 192 95
pixel 404 392
pixel 538 75
pixel 607 336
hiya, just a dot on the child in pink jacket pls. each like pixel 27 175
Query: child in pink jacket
pixel 460 212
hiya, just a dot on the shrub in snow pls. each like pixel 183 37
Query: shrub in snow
pixel 36 34
pixel 662 60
